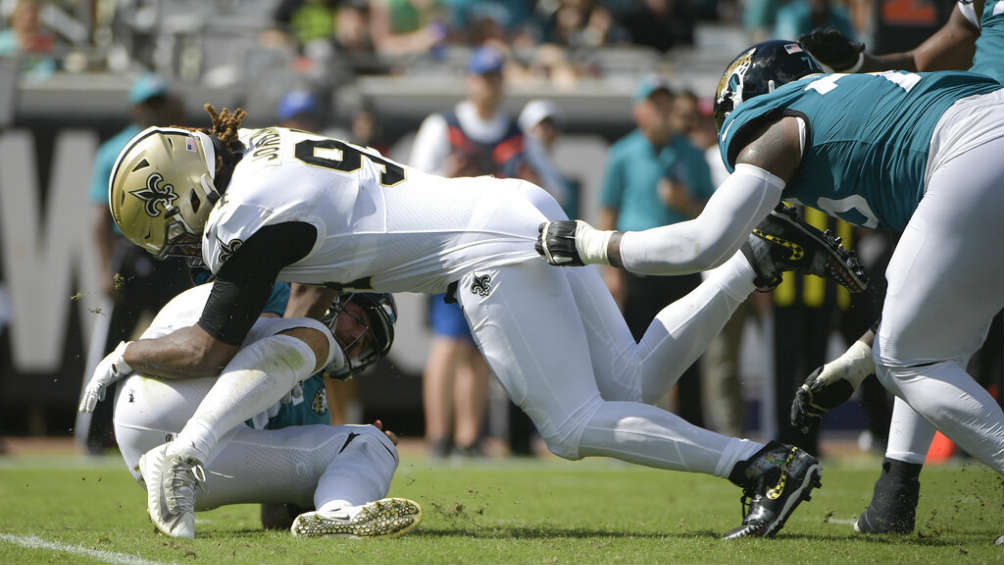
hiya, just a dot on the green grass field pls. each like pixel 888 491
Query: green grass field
pixel 73 510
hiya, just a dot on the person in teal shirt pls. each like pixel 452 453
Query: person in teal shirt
pixel 654 177
pixel 132 282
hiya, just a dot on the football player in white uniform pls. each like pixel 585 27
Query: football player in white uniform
pixel 279 204
pixel 342 471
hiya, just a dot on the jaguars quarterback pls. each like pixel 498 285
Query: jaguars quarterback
pixel 302 463
pixel 918 153
pixel 278 204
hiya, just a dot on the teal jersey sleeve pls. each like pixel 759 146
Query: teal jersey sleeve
pixel 312 409
pixel 277 300
pixel 989 56
pixel 867 138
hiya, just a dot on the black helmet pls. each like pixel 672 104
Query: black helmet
pixel 381 314
pixel 759 70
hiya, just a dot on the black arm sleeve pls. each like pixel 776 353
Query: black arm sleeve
pixel 243 285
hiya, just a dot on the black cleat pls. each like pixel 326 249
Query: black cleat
pixel 893 508
pixel 777 479
pixel 782 242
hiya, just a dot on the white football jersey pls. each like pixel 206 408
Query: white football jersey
pixel 380 225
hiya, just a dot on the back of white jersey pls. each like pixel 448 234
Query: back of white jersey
pixel 380 225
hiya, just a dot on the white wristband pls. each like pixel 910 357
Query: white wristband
pixel 853 366
pixel 591 243
pixel 120 366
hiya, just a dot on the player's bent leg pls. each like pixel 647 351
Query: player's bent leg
pixel 537 345
pixel 954 403
pixel 944 288
pixel 644 371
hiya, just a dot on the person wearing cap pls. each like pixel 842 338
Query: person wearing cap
pixel 542 122
pixel 298 109
pixel 653 177
pixel 474 138
pixel 132 282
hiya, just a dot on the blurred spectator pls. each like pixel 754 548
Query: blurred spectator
pixel 542 122
pixel 654 177
pixel 405 27
pixel 299 109
pixel 802 16
pixel 759 17
pixel 475 138
pixel 365 129
pixel 723 402
pixel 660 24
pixel 583 23
pixel 28 41
pixel 134 283
pixel 304 21
pixel 807 310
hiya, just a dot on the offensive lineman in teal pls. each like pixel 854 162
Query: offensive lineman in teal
pixel 914 152
pixel 972 39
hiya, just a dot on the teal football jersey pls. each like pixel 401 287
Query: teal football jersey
pixel 989 57
pixel 867 138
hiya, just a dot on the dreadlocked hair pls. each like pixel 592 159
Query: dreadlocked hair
pixel 225 125
pixel 229 148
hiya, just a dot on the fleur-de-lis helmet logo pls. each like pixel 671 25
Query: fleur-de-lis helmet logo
pixel 155 193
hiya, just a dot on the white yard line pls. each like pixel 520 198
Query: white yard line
pixel 842 521
pixel 35 542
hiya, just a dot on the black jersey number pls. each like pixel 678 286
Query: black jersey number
pixel 351 159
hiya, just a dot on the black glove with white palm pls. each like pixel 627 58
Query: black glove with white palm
pixel 834 50
pixel 830 386
pixel 573 243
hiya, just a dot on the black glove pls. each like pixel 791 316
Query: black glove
pixel 556 242
pixel 832 48
pixel 814 399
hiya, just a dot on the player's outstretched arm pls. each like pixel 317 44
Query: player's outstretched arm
pixel 832 384
pixel 951 47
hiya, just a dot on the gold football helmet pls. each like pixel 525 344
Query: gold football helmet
pixel 161 190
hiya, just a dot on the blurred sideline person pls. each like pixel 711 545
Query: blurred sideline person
pixel 973 39
pixel 721 388
pixel 347 218
pixel 654 177
pixel 790 132
pixel 542 123
pixel 298 461
pixel 134 284
pixel 474 138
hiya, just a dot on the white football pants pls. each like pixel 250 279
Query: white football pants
pixel 561 349
pixel 945 286
pixel 302 465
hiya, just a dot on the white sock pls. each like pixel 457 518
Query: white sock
pixel 650 436
pixel 255 379
pixel 682 330
pixel 910 434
